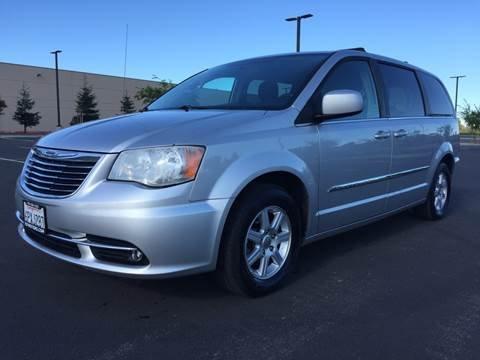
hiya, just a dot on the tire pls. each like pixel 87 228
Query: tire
pixel 435 207
pixel 257 213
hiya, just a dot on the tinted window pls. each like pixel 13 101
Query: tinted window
pixel 438 99
pixel 266 83
pixel 222 84
pixel 255 84
pixel 354 75
pixel 402 92
pixel 216 91
pixel 254 91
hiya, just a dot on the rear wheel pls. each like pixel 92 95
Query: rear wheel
pixel 438 196
pixel 260 242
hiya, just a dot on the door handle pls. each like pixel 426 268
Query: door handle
pixel 400 133
pixel 382 135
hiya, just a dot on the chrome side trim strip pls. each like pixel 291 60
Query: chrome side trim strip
pixel 369 200
pixel 358 183
pixel 81 241
pixel 376 179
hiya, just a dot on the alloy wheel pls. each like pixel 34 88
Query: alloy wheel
pixel 268 242
pixel 440 194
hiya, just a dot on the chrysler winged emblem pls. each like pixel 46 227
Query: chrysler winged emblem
pixel 55 154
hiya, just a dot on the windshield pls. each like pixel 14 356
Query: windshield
pixel 270 83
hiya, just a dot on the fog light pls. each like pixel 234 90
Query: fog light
pixel 136 256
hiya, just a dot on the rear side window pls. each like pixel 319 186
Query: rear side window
pixel 438 100
pixel 353 75
pixel 402 92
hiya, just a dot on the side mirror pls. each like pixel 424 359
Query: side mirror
pixel 339 103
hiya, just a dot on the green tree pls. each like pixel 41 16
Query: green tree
pixel 150 93
pixel 471 116
pixel 23 114
pixel 3 105
pixel 86 105
pixel 127 105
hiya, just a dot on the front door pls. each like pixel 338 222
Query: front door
pixel 355 153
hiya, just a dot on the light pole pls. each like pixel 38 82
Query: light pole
pixel 56 52
pixel 298 19
pixel 456 77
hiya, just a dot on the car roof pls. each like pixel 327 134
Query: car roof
pixel 383 58
pixel 359 51
pixel 320 54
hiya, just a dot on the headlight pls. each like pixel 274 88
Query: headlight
pixel 161 166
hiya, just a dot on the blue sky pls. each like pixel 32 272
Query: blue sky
pixel 174 39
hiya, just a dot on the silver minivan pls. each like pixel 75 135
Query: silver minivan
pixel 237 167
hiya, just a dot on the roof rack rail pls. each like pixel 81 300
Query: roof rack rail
pixel 358 49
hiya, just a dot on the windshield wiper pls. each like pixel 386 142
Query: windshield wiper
pixel 185 107
pixel 192 107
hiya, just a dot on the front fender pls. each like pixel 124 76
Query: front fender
pixel 229 181
pixel 241 172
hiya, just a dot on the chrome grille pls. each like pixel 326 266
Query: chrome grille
pixel 57 172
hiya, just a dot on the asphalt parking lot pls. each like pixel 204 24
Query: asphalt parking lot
pixel 402 288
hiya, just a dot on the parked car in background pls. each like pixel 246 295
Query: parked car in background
pixel 237 167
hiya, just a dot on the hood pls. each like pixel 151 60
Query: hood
pixel 151 128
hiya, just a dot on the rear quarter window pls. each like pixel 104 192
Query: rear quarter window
pixel 437 97
pixel 402 91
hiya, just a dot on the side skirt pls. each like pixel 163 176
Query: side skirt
pixel 360 223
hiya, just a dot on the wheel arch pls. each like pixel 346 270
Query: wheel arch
pixel 282 167
pixel 450 161
pixel 287 180
pixel 291 183
pixel 444 154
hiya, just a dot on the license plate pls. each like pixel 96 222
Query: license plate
pixel 34 216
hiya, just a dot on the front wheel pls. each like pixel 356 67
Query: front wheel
pixel 438 197
pixel 260 242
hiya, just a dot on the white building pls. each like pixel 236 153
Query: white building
pixel 41 83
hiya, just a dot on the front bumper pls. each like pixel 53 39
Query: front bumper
pixel 178 237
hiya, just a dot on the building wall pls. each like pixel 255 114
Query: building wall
pixel 41 83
